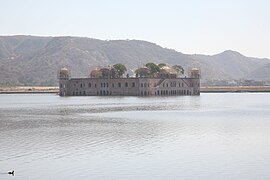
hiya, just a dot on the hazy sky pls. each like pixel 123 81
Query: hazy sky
pixel 188 26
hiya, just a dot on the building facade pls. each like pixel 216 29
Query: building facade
pixel 139 86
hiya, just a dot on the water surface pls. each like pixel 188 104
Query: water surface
pixel 212 136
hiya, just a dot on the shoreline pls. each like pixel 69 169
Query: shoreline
pixel 207 89
pixel 234 89
pixel 28 89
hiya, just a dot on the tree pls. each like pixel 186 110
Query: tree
pixel 179 69
pixel 142 72
pixel 120 69
pixel 153 68
pixel 105 72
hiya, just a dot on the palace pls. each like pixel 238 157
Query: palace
pixel 162 85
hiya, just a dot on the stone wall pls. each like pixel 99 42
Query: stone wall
pixel 129 86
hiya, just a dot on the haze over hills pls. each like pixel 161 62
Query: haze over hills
pixel 32 60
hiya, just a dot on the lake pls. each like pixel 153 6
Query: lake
pixel 212 136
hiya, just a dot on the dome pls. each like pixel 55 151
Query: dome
pixel 64 71
pixel 168 70
pixel 195 69
pixel 96 73
pixel 195 73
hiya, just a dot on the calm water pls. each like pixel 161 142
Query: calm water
pixel 213 136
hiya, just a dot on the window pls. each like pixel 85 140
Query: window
pixel 89 85
pixel 126 84
pixel 141 84
pixel 119 84
pixel 133 84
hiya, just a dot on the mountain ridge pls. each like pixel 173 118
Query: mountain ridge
pixel 35 60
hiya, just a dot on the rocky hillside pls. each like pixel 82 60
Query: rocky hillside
pixel 261 73
pixel 30 60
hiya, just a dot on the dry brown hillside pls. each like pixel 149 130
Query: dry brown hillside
pixel 30 60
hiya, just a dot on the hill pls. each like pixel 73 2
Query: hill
pixel 261 73
pixel 31 60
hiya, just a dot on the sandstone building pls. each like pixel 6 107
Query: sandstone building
pixel 162 85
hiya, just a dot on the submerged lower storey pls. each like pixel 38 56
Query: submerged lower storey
pixel 129 86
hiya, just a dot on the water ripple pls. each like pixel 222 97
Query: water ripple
pixel 136 138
